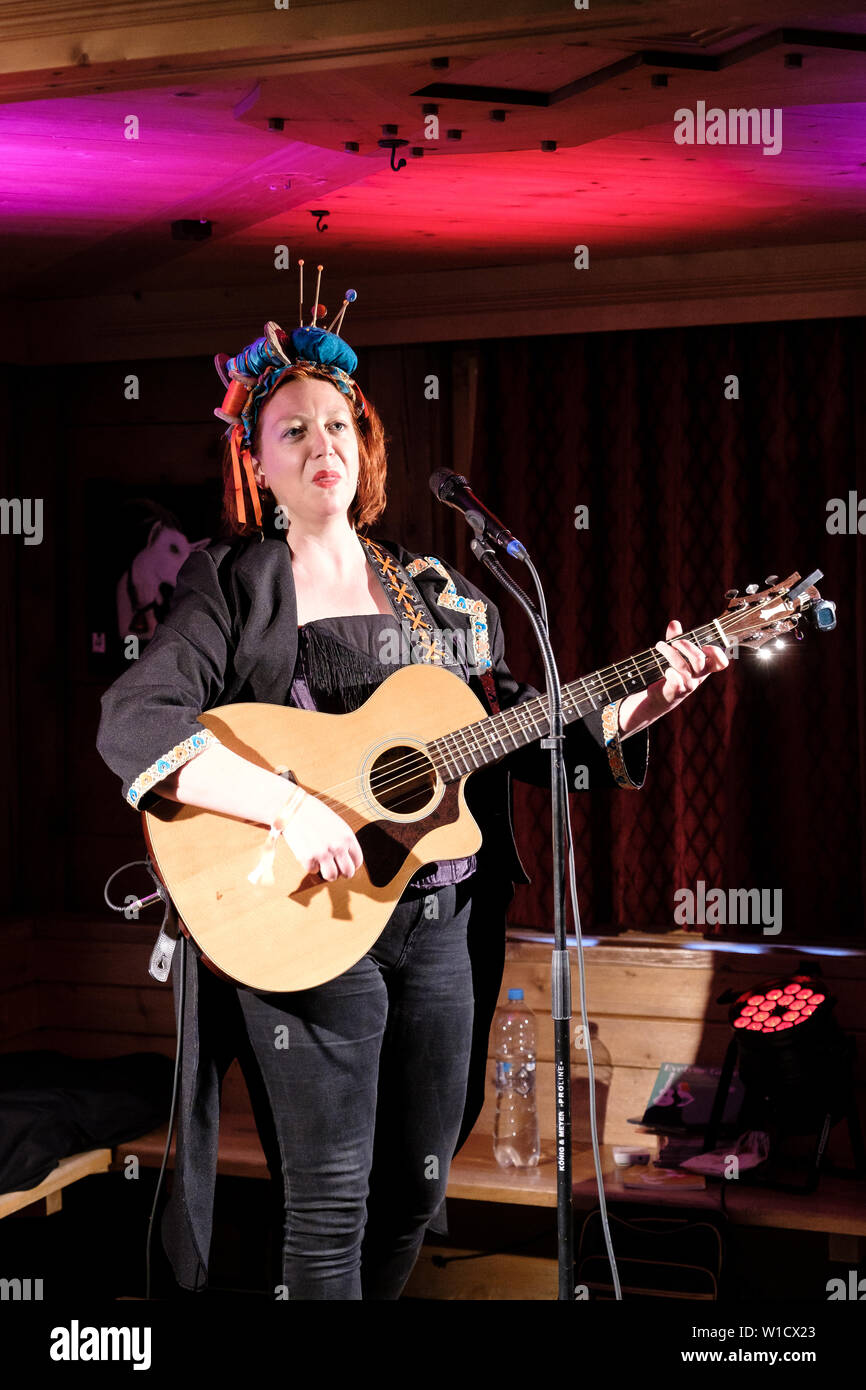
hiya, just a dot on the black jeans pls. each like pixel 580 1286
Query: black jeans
pixel 358 1088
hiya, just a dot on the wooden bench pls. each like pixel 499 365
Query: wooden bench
pixel 50 1190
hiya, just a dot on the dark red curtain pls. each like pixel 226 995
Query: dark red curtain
pixel 758 780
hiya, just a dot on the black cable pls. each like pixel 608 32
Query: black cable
pixel 161 890
pixel 174 1090
pixel 132 864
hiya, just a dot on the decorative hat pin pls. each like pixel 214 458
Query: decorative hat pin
pixel 251 376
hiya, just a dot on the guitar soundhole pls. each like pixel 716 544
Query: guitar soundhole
pixel 403 780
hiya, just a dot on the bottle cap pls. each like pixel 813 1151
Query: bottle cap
pixel 627 1155
pixel 515 994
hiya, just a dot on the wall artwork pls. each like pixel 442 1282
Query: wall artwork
pixel 148 532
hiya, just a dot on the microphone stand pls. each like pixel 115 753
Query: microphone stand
pixel 560 964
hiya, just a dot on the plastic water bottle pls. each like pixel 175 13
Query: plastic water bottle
pixel 515 1138
pixel 581 1129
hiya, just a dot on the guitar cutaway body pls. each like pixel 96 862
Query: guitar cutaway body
pixel 372 768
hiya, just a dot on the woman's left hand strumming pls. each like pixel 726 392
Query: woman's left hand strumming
pixel 688 667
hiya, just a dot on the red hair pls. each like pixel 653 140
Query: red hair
pixel 369 500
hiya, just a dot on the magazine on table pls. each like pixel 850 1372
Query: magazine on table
pixel 682 1098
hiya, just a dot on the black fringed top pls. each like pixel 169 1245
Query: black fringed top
pixel 341 661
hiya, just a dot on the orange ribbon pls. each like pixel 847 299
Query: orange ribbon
pixel 240 508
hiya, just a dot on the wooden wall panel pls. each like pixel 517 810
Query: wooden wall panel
pixel 651 1005
pixel 19 986
pixel 19 1011
pixel 108 1007
pixel 81 986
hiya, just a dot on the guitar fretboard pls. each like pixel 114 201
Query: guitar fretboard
pixel 486 741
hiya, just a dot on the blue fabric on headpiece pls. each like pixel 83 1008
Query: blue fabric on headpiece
pixel 254 359
pixel 314 346
pixel 318 345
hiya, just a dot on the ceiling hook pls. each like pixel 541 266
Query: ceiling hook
pixel 394 146
pixel 319 213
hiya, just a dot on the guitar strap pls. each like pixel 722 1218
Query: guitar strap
pixel 160 959
pixel 409 606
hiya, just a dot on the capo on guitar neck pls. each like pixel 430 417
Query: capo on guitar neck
pixel 805 584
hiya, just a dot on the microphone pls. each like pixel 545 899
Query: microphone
pixel 454 490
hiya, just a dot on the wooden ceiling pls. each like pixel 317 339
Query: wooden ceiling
pixel 84 210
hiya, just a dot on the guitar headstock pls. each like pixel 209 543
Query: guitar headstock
pixel 758 616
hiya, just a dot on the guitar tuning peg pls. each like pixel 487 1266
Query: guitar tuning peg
pixel 751 588
pixel 771 579
pixel 732 593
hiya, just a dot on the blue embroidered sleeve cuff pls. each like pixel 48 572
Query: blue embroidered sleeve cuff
pixel 613 744
pixel 169 762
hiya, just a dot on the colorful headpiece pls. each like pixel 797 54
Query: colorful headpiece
pixel 253 374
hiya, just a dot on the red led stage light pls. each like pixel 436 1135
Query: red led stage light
pixel 796 1068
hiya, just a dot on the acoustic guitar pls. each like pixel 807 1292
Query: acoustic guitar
pixel 395 770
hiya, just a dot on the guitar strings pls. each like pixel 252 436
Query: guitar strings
pixel 507 721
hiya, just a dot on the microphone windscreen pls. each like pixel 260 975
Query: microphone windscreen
pixel 439 482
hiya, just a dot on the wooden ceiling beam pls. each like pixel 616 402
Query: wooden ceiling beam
pixel 49 49
pixel 751 285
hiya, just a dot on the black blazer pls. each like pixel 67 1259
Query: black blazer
pixel 231 635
